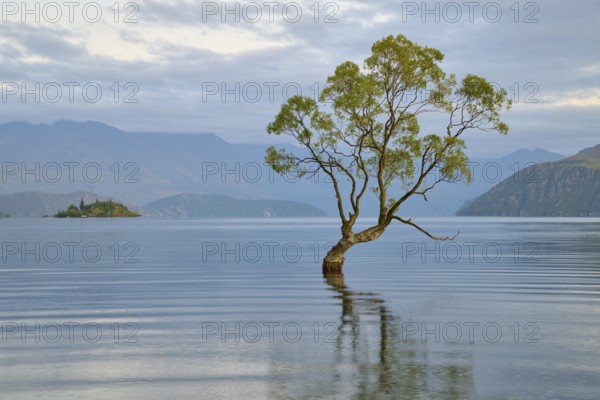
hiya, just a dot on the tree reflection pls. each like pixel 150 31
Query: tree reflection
pixel 370 358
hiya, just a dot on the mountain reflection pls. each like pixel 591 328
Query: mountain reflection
pixel 370 359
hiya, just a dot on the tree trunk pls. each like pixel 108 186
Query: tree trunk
pixel 334 260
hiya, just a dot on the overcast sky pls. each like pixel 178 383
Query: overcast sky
pixel 175 66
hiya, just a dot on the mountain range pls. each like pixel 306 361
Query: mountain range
pixel 219 206
pixel 565 188
pixel 138 168
pixel 38 204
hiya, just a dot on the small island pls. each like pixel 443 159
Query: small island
pixel 2 215
pixel 99 209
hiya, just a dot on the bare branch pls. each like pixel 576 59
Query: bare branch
pixel 329 172
pixel 409 222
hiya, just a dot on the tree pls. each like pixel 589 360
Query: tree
pixel 365 130
pixel 81 205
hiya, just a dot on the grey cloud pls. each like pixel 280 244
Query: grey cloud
pixel 553 54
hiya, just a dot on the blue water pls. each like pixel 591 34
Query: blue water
pixel 179 309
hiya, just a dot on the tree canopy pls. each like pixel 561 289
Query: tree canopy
pixel 98 209
pixel 365 128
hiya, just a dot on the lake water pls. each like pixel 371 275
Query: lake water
pixel 205 309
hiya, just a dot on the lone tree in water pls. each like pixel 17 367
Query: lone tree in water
pixel 365 130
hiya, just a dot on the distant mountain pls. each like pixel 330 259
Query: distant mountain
pixel 523 157
pixel 589 157
pixel 448 197
pixel 37 204
pixel 138 168
pixel 217 206
pixel 566 188
pixel 141 167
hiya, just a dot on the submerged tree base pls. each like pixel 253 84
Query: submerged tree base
pixel 333 268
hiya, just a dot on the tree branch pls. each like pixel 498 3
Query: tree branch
pixel 409 222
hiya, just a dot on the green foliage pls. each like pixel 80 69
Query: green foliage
pixel 366 126
pixel 99 209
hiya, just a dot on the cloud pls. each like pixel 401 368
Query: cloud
pixel 178 50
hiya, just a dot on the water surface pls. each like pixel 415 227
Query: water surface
pixel 165 308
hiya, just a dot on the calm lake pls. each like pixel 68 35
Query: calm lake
pixel 238 309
